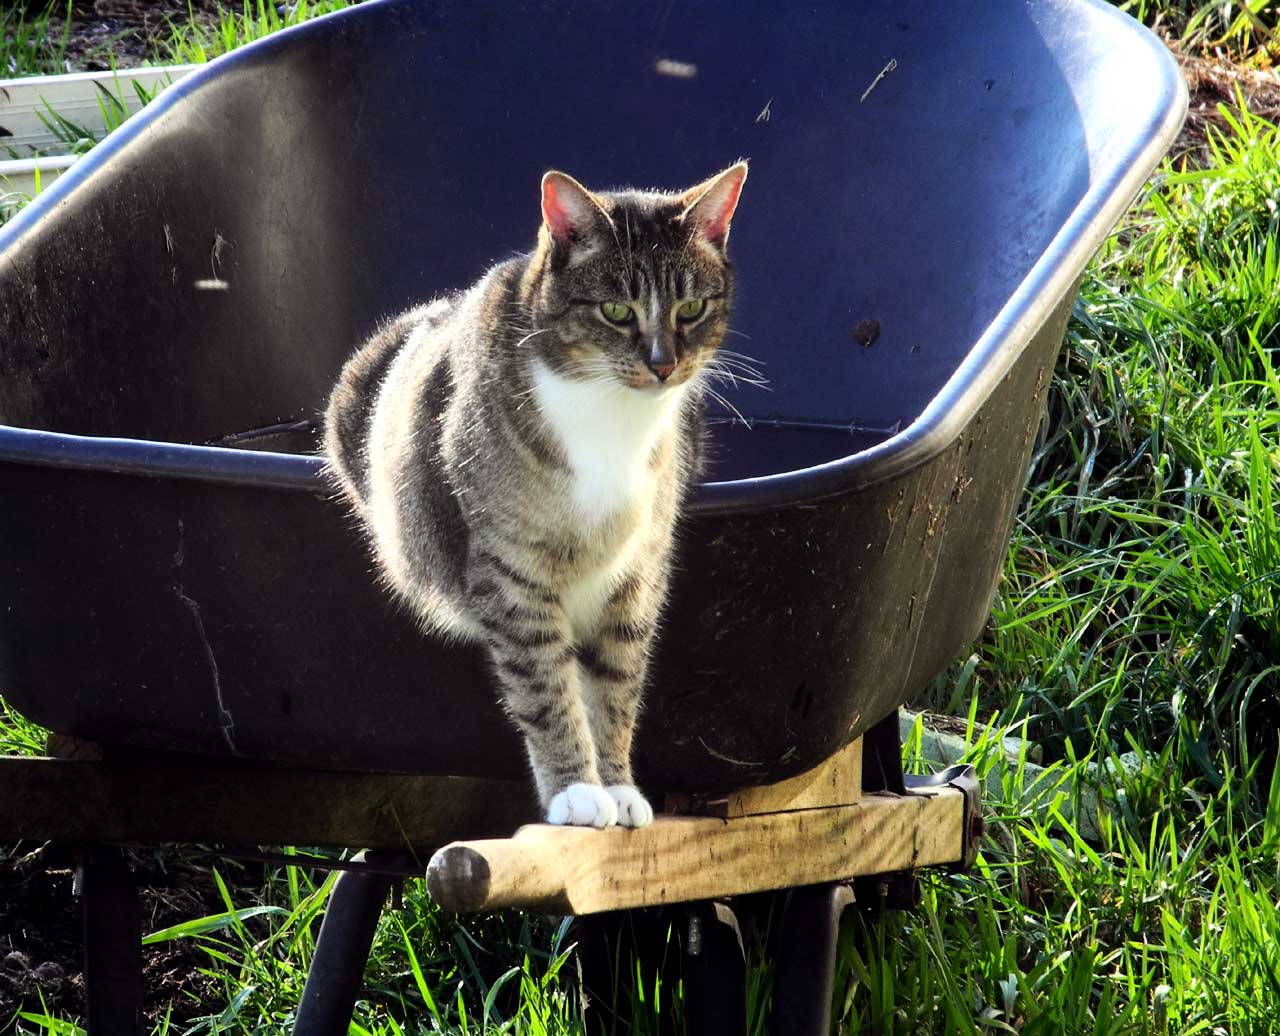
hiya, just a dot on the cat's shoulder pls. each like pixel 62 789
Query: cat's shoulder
pixel 431 313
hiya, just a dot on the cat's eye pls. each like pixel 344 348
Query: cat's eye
pixel 617 312
pixel 688 312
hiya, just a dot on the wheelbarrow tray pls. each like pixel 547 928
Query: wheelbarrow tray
pixel 928 181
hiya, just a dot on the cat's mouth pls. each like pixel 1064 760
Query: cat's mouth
pixel 652 386
pixel 650 381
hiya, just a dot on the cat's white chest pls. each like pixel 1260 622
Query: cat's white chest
pixel 585 599
pixel 607 433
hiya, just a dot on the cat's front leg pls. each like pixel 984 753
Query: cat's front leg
pixel 614 662
pixel 527 634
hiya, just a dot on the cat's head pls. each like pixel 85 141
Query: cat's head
pixel 632 287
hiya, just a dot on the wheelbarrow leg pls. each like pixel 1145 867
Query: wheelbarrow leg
pixel 715 987
pixel 713 968
pixel 806 959
pixel 346 936
pixel 112 944
pixel 611 946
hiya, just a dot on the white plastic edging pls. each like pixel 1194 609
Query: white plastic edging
pixel 26 142
pixel 30 175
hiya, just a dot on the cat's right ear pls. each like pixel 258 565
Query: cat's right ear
pixel 570 212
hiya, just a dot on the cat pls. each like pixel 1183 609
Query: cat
pixel 519 452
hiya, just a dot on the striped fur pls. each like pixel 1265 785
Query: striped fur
pixel 519 461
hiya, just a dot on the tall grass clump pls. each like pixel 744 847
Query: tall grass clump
pixel 194 42
pixel 1167 923
pixel 30 43
pixel 1246 31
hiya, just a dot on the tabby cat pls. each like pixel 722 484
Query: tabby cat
pixel 519 453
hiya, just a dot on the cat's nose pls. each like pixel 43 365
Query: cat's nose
pixel 662 359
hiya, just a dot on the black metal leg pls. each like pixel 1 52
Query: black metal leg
pixel 604 956
pixel 112 944
pixel 882 757
pixel 346 936
pixel 713 968
pixel 609 947
pixel 806 959
pixel 715 988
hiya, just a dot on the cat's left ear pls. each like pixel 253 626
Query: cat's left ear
pixel 710 205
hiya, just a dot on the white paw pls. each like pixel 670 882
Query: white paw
pixel 633 808
pixel 583 805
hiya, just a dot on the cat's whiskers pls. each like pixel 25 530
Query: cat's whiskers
pixel 604 380
pixel 727 405
pixel 722 377
pixel 585 372
pixel 631 259
pixel 532 334
pixel 741 365
pixel 685 250
pixel 593 367
pixel 715 370
pixel 734 379
pixel 719 368
pixel 617 241
pixel 737 364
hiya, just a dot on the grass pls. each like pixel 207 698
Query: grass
pixel 34 40
pixel 1245 31
pixel 19 736
pixel 30 43
pixel 194 42
pixel 35 43
pixel 1137 614
pixel 77 139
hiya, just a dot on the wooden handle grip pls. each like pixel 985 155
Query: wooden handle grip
pixel 525 870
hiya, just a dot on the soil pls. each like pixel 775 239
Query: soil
pixel 41 940
pixel 1214 82
pixel 125 29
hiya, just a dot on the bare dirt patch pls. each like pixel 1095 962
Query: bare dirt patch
pixel 130 31
pixel 41 965
pixel 1214 83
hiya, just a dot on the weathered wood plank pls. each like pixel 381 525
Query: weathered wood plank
pixel 102 802
pixel 836 782
pixel 679 859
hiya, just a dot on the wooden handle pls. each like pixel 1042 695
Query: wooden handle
pixel 679 859
pixel 525 870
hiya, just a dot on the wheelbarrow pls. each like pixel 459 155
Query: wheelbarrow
pixel 182 593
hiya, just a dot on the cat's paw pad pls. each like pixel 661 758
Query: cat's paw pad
pixel 633 808
pixel 583 805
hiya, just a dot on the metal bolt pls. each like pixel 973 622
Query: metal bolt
pixel 694 940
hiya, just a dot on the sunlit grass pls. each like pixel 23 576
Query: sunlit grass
pixel 193 42
pixel 30 44
pixel 1246 31
pixel 18 735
